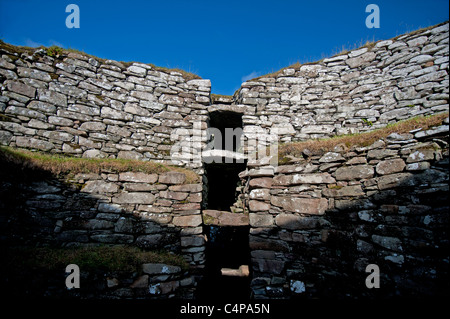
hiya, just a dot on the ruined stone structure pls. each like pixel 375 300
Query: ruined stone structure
pixel 313 225
pixel 318 223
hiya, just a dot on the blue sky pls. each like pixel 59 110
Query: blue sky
pixel 225 41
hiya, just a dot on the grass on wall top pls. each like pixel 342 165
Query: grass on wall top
pixel 321 146
pixel 65 165
pixel 59 53
pixel 344 49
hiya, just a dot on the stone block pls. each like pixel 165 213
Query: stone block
pixel 331 157
pixel 60 121
pixel 282 129
pixel 87 153
pixel 22 111
pixel 424 154
pixel 99 187
pixel 171 99
pixel 173 195
pixel 195 198
pixel 391 243
pixel 187 221
pixel 260 194
pixel 223 218
pixel 34 74
pixel 317 178
pixel 417 41
pixel 133 198
pixel 287 169
pixel 418 166
pixel 295 179
pixel 195 240
pixel 59 136
pixel 138 177
pixel 346 191
pixel 257 243
pixel 193 188
pixel 381 153
pixel 21 88
pixel 366 58
pixel 262 182
pixel 262 171
pixel 395 180
pixel 186 206
pixel 5 137
pixel 140 282
pixel 137 70
pixel 53 97
pixel 84 109
pixel 169 286
pixel 109 208
pixel 296 222
pixel 93 126
pixel 356 161
pixel 355 203
pixel 390 166
pixel 124 225
pixel 111 113
pixel 257 206
pixel 200 82
pixel 260 220
pixel 309 206
pixel 172 178
pixel 270 266
pixel 355 172
pixel 133 155
pixel 33 143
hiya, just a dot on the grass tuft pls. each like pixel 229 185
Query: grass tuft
pixel 54 51
pixel 89 258
pixel 321 146
pixel 63 165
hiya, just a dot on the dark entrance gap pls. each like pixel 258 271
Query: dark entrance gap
pixel 227 247
pixel 222 181
pixel 222 120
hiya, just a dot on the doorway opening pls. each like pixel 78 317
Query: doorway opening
pixel 225 225
pixel 225 130
pixel 227 273
pixel 223 179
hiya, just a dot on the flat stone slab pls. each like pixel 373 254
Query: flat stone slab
pixel 223 218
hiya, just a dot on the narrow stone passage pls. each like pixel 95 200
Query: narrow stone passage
pixel 226 224
pixel 227 248
pixel 222 182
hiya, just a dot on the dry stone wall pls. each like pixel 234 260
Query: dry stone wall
pixel 84 106
pixel 352 92
pixel 316 224
pixel 149 211
pixel 154 212
pixel 150 281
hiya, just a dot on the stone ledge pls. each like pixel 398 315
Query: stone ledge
pixel 223 218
